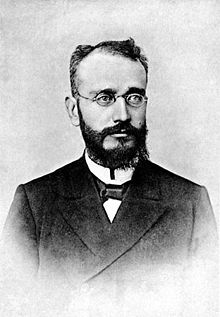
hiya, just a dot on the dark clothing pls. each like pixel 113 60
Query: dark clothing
pixel 58 230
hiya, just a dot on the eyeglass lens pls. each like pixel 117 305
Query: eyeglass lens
pixel 134 100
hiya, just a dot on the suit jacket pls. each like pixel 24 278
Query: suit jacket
pixel 58 230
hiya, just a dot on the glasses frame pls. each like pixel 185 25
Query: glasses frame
pixel 125 96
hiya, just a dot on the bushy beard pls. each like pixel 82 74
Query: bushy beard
pixel 122 156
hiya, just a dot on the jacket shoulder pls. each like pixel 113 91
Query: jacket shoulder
pixel 167 175
pixel 172 186
pixel 39 193
pixel 62 172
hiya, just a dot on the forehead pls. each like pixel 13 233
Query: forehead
pixel 101 70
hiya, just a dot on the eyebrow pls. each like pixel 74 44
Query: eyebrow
pixel 130 90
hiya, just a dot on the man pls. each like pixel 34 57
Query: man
pixel 112 223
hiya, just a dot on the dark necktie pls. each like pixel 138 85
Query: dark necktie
pixel 111 191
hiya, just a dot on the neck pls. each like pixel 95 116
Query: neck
pixel 109 176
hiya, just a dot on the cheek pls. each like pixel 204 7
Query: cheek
pixel 96 119
pixel 139 118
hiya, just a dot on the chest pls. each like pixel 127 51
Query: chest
pixel 78 240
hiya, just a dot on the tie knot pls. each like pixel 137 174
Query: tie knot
pixel 112 191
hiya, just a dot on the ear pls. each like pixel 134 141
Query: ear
pixel 72 110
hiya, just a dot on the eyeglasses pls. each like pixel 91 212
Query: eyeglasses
pixel 106 99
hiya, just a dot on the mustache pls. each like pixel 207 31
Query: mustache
pixel 122 127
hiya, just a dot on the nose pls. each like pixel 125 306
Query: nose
pixel 120 111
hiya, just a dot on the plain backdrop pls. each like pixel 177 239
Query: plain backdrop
pixel 182 42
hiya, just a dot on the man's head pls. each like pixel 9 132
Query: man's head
pixel 108 83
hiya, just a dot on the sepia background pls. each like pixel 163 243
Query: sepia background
pixel 182 42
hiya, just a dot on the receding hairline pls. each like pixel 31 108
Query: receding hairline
pixel 106 51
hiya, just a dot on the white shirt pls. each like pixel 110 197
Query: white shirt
pixel 103 173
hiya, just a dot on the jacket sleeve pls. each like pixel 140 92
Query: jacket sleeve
pixel 204 242
pixel 19 240
pixel 201 280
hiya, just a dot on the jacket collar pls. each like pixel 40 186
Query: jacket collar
pixel 74 181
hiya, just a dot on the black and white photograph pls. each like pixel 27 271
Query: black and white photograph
pixel 109 163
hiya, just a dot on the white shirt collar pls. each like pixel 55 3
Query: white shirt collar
pixel 103 173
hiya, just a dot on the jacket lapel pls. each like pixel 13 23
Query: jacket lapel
pixel 139 211
pixel 80 205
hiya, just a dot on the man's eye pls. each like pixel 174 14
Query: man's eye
pixel 104 98
pixel 135 98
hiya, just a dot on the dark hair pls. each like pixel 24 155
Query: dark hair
pixel 126 48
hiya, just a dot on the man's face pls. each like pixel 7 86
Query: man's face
pixel 113 134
